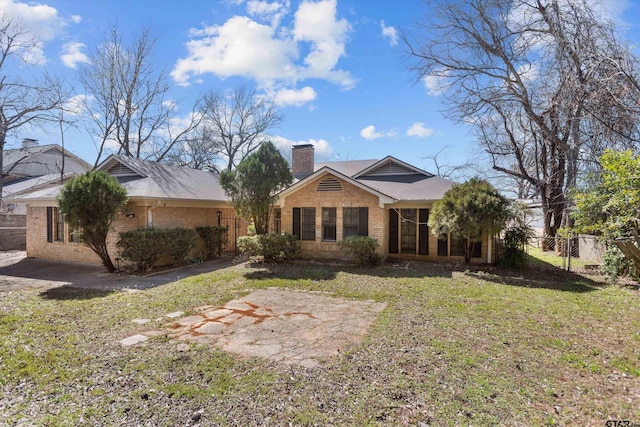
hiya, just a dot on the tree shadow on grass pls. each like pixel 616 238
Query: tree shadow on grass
pixel 549 277
pixel 329 270
pixel 67 292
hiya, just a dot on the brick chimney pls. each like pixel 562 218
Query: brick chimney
pixel 302 160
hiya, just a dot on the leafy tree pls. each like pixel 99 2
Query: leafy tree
pixel 253 184
pixel 609 206
pixel 467 210
pixel 90 202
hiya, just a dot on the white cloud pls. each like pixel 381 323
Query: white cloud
pixel 322 148
pixel 295 97
pixel 316 23
pixel 390 32
pixel 40 22
pixel 268 11
pixel 76 19
pixel 72 54
pixel 370 133
pixel 270 54
pixel 240 47
pixel 75 105
pixel 419 130
pixel 435 84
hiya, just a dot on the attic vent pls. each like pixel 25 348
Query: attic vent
pixel 121 170
pixel 329 184
pixel 391 168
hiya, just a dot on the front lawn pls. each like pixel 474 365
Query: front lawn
pixel 453 347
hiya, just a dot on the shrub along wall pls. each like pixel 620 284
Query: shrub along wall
pixel 144 248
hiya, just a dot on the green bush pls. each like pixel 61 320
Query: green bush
pixel 362 248
pixel 514 240
pixel 272 246
pixel 214 239
pixel 615 265
pixel 143 248
pixel 278 247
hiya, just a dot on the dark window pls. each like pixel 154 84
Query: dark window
pixel 423 232
pixel 277 220
pixel 55 225
pixel 307 224
pixel 355 222
pixel 458 248
pixel 296 222
pixel 393 231
pixel 442 246
pixel 408 231
pixel 329 224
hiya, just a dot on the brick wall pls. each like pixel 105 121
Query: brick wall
pixel 350 197
pixel 163 217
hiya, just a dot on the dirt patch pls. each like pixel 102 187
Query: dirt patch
pixel 281 325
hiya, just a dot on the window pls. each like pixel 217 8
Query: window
pixel 277 220
pixel 458 247
pixel 355 222
pixel 408 230
pixel 55 225
pixel 304 223
pixel 329 224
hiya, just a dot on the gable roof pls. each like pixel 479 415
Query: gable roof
pixel 391 179
pixel 151 180
pixel 18 155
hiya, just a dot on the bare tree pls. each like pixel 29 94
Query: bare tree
pixel 545 83
pixel 22 102
pixel 236 125
pixel 127 100
pixel 448 170
pixel 196 151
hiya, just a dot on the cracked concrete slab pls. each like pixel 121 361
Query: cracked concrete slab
pixel 283 325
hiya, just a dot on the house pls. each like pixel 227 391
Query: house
pixel 386 199
pixel 27 169
pixel 159 196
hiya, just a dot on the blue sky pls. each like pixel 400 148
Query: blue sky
pixel 336 67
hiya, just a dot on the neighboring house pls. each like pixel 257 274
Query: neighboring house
pixel 26 169
pixel 159 196
pixel 386 199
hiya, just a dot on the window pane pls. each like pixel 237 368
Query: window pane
pixel 328 223
pixel 59 225
pixel 350 221
pixel 308 224
pixel 277 220
pixel 408 231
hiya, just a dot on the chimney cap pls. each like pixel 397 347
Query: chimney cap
pixel 302 145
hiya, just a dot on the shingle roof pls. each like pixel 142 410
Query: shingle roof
pixel 347 167
pixel 161 181
pixel 9 157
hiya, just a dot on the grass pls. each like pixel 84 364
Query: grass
pixel 453 347
pixel 539 257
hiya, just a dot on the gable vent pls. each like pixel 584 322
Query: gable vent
pixel 391 168
pixel 329 184
pixel 121 170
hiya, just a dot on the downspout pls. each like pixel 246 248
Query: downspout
pixel 150 214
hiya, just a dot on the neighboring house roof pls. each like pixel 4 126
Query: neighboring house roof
pixel 31 184
pixel 151 180
pixel 391 179
pixel 40 160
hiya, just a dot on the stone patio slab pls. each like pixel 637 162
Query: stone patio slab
pixel 293 327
